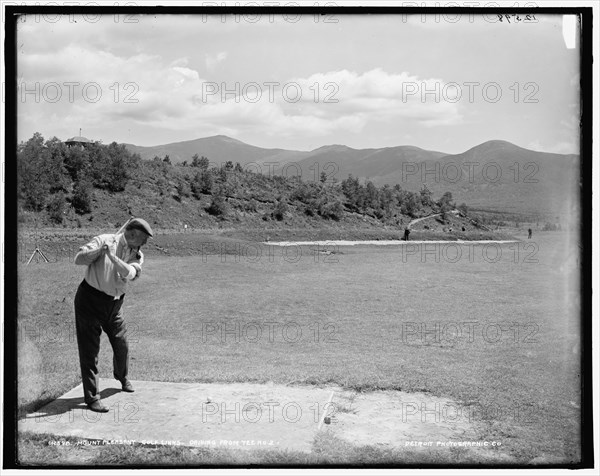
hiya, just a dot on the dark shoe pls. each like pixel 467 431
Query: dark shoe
pixel 98 406
pixel 126 386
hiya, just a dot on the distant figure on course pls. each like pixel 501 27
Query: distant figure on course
pixel 529 232
pixel 111 260
pixel 406 233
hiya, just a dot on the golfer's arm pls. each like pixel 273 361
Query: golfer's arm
pixel 125 270
pixel 137 264
pixel 88 254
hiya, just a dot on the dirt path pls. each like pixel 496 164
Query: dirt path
pixel 417 220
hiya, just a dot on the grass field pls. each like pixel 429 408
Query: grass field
pixel 497 327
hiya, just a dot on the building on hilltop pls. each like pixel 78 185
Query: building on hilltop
pixel 79 141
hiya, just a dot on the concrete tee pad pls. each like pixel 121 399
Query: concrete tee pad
pixel 236 415
pixel 417 422
pixel 265 416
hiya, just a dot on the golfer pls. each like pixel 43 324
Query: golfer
pixel 111 261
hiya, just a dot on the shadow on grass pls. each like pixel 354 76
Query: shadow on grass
pixel 59 406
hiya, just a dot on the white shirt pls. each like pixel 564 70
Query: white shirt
pixel 101 273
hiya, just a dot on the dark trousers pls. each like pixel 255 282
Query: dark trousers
pixel 96 312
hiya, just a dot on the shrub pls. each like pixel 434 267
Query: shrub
pixel 280 210
pixel 183 188
pixel 222 175
pixel 77 162
pixel 304 193
pixel 41 171
pixel 312 208
pixel 112 165
pixel 200 162
pixel 82 197
pixel 35 194
pixel 202 183
pixel 445 203
pixel 206 182
pixel 332 210
pixel 56 207
pixel 251 206
pixel 218 206
pixel 464 210
pixel 162 185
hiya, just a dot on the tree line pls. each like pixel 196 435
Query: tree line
pixel 53 177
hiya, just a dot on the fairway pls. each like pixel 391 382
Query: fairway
pixel 493 328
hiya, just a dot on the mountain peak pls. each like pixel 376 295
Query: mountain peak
pixel 493 147
pixel 497 143
pixel 223 138
pixel 332 148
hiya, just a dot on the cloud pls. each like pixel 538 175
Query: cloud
pixel 325 103
pixel 127 87
pixel 145 91
pixel 96 88
pixel 382 96
pixel 187 73
pixel 212 61
pixel 317 105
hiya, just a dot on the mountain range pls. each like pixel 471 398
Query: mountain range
pixel 496 175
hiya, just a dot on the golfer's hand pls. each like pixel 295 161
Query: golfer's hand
pixel 138 270
pixel 125 270
pixel 107 250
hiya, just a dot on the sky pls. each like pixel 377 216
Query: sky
pixel 443 83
